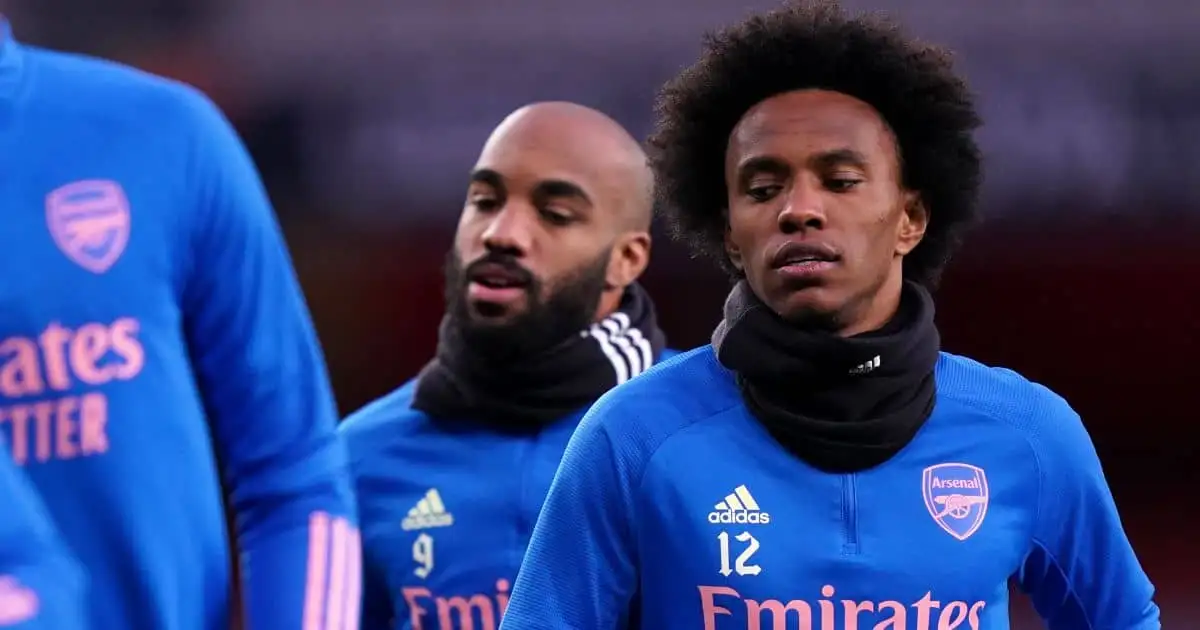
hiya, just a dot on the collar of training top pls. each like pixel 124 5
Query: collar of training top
pixel 840 404
pixel 533 391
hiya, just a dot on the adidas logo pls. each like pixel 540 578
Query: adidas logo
pixel 867 367
pixel 739 507
pixel 428 512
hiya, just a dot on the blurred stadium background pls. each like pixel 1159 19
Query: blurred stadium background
pixel 365 116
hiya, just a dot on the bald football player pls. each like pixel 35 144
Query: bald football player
pixel 543 315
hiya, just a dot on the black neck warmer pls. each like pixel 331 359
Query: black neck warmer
pixel 532 391
pixel 842 404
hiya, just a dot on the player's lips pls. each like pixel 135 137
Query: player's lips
pixel 496 283
pixel 477 292
pixel 801 260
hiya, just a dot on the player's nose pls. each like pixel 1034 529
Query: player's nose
pixel 510 230
pixel 803 209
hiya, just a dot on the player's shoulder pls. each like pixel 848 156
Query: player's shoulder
pixel 116 94
pixel 669 353
pixel 1044 417
pixel 381 421
pixel 678 392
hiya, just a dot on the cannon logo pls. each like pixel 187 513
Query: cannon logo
pixel 956 496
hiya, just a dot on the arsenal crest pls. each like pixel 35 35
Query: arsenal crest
pixel 956 496
pixel 89 221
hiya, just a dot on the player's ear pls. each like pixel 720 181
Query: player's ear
pixel 731 249
pixel 913 224
pixel 630 257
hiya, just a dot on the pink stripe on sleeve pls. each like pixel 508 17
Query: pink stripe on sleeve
pixel 354 583
pixel 336 596
pixel 318 570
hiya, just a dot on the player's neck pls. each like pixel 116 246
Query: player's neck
pixel 610 301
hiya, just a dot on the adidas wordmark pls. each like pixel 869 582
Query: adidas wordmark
pixel 739 507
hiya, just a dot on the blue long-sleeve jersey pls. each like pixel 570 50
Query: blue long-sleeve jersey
pixel 150 327
pixel 447 509
pixel 674 509
pixel 41 584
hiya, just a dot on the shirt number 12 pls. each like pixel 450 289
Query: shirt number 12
pixel 741 565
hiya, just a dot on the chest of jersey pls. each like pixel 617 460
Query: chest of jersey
pixel 89 304
pixel 93 211
pixel 754 538
pixel 448 524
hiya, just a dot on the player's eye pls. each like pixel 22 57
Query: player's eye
pixel 484 203
pixel 556 217
pixel 763 193
pixel 842 184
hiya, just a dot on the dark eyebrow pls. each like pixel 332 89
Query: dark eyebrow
pixel 840 157
pixel 821 161
pixel 489 177
pixel 560 188
pixel 763 164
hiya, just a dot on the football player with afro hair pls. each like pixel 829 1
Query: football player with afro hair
pixel 822 463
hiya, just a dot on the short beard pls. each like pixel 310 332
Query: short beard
pixel 550 317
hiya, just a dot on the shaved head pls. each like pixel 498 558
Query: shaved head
pixel 556 225
pixel 595 142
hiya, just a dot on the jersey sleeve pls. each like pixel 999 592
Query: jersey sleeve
pixel 262 377
pixel 579 572
pixel 1081 572
pixel 41 585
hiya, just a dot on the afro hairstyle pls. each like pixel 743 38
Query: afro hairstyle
pixel 814 44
